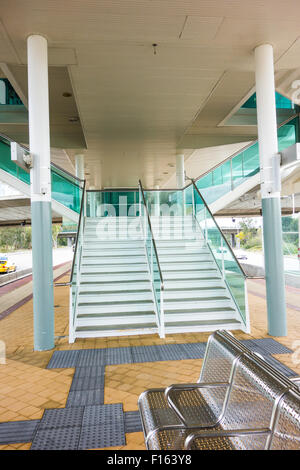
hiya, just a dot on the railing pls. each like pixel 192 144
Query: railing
pixel 65 188
pixel 113 203
pixel 242 165
pixel 229 267
pixel 153 262
pixel 76 265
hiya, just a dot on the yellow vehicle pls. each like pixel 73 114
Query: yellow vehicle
pixel 6 266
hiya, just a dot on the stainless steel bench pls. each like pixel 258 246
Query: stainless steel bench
pixel 239 402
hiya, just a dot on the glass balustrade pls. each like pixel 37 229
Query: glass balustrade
pixel 66 189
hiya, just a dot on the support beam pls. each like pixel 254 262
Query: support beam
pixel 180 178
pixel 271 207
pixel 41 220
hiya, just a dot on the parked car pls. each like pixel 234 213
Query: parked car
pixel 6 265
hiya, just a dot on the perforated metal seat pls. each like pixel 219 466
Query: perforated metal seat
pixel 252 407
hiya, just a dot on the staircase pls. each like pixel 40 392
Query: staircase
pixel 195 297
pixel 115 295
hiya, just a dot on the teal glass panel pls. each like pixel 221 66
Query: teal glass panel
pixel 7 165
pixel 251 160
pixel 65 191
pixel 237 169
pixel 281 102
pixel 115 203
pixel 225 259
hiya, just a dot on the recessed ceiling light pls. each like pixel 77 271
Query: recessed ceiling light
pixel 74 119
pixel 66 94
pixel 166 172
pixel 171 165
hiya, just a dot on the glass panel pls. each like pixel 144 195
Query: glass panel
pixel 237 170
pixel 244 165
pixel 116 203
pixel 222 253
pixel 65 188
pixel 153 262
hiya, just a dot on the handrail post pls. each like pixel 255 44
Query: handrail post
pixel 222 249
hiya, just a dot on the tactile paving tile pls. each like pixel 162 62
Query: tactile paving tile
pixel 281 367
pixel 87 383
pixel 63 359
pixel 133 422
pixel 61 417
pixel 86 397
pixel 171 352
pixel 272 346
pixel 91 357
pixel 14 432
pixel 93 371
pixel 102 414
pixel 118 356
pixel 98 437
pixel 64 438
pixel 193 350
pixel 102 426
pixel 145 354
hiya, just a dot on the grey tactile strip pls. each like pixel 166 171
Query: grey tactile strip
pixel 193 350
pixel 145 354
pixel 87 383
pixel 64 438
pixel 118 356
pixel 61 417
pixel 101 436
pixel 281 367
pixel 132 421
pixel 91 357
pixel 102 414
pixel 14 432
pixel 86 397
pixel 267 345
pixel 89 372
pixel 63 359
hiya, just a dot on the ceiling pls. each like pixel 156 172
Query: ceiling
pixel 138 105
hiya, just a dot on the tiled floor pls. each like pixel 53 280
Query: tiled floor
pixel 27 387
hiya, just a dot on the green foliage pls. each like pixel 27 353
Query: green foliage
pixel 19 238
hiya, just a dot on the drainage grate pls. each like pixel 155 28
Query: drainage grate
pixel 133 422
pixel 271 346
pixel 15 432
pixel 66 438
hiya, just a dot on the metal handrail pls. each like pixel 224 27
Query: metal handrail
pixel 78 229
pixel 223 237
pixel 153 240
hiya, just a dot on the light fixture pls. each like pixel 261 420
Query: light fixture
pixel 67 94
pixel 74 119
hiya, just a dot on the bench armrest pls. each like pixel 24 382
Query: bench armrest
pixel 178 387
pixel 225 433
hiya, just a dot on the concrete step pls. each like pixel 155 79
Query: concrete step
pixel 113 297
pixel 108 309
pixel 191 305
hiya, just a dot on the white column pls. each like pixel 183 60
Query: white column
pixel 180 179
pixel 157 202
pixel 41 214
pixel 79 166
pixel 270 190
